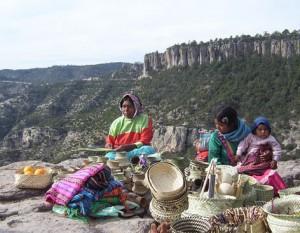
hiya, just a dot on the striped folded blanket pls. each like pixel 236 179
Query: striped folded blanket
pixel 63 191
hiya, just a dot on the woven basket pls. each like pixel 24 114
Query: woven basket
pixel 288 191
pixel 191 225
pixel 161 216
pixel 33 181
pixel 165 181
pixel 198 165
pixel 264 192
pixel 204 206
pixel 178 205
pixel 283 222
pixel 278 225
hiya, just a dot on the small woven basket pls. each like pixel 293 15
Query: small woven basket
pixel 33 181
pixel 264 193
pixel 191 225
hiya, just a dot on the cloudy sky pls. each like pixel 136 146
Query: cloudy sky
pixel 43 33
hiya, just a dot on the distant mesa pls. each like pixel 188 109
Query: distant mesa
pixel 283 44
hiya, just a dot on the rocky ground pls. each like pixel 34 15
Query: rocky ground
pixel 20 209
pixel 20 212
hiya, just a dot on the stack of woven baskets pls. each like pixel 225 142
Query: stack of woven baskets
pixel 169 191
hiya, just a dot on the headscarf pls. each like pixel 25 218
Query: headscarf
pixel 138 107
pixel 260 120
pixel 239 134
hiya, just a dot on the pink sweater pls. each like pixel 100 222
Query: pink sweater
pixel 251 144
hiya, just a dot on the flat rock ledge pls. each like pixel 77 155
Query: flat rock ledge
pixel 19 208
pixel 20 212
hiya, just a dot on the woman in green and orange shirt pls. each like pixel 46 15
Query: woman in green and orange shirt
pixel 131 132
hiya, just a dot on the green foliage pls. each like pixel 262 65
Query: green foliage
pixel 268 86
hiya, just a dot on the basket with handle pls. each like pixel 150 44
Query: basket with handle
pixel 191 225
pixel 284 214
pixel 33 181
pixel 204 206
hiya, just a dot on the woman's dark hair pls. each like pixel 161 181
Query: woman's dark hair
pixel 126 98
pixel 227 115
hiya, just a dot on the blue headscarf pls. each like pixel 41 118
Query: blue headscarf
pixel 260 121
pixel 239 134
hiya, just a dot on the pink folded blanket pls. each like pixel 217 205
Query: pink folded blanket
pixel 63 191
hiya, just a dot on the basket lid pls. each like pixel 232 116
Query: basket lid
pixel 165 178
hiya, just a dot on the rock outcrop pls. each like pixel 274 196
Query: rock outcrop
pixel 173 139
pixel 221 50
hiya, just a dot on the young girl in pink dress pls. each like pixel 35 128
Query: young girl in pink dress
pixel 259 153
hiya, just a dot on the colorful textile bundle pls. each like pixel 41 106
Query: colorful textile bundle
pixel 63 191
pixel 84 199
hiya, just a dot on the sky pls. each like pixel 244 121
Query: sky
pixel 43 33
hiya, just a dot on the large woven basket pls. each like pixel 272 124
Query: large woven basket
pixel 165 180
pixel 278 218
pixel 207 207
pixel 191 225
pixel 33 181
pixel 288 191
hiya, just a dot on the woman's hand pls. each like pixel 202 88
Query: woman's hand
pixel 162 228
pixel 126 147
pixel 273 164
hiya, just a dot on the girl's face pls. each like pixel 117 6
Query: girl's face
pixel 262 131
pixel 222 127
pixel 128 109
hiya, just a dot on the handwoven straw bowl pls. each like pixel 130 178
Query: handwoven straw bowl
pixel 191 225
pixel 165 181
pixel 282 222
pixel 288 208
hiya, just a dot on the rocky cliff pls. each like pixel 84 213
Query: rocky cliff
pixel 283 45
